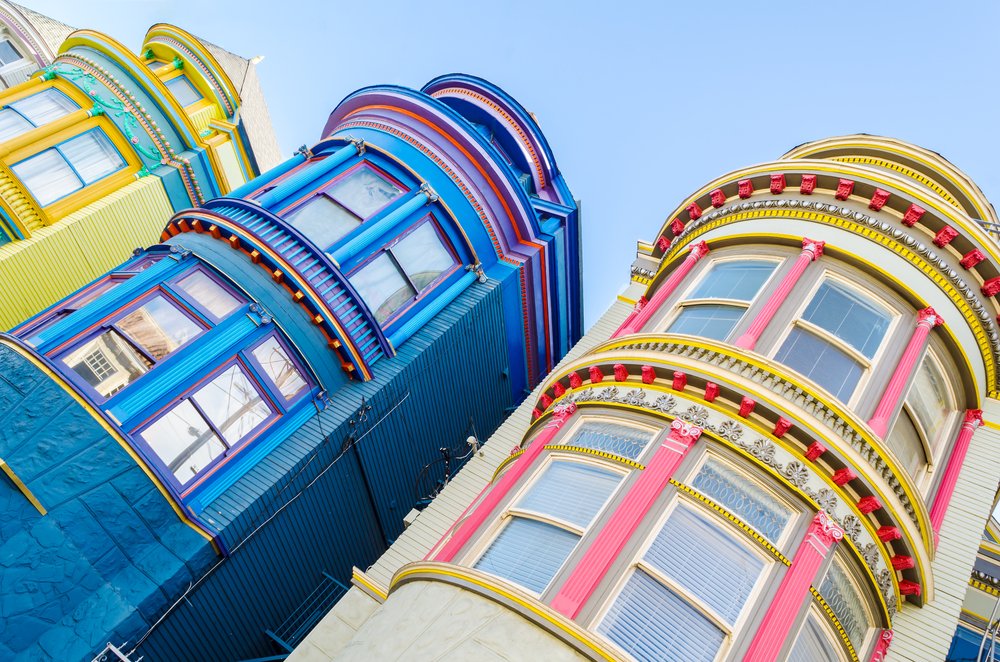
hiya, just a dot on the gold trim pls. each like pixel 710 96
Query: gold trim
pixel 836 622
pixel 24 489
pixel 365 583
pixel 601 454
pixel 503 465
pixel 984 587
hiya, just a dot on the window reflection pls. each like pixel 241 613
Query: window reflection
pixel 279 368
pixel 158 327
pixel 364 192
pixel 184 441
pixel 108 363
pixel 69 166
pixel 382 287
pixel 232 404
pixel 734 283
pixel 208 293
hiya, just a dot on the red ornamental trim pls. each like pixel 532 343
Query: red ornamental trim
pixel 648 374
pixel 972 258
pixel 746 406
pixel 680 381
pixel 711 391
pixel 808 184
pixel 930 317
pixel 575 381
pixel 913 215
pixel 902 562
pixel 992 286
pixel 888 533
pixel 684 432
pixel 745 188
pixel 558 389
pixel 781 427
pixel 694 211
pixel 843 476
pixel 663 243
pixel 882 646
pixel 944 236
pixel 677 226
pixel 879 198
pixel 907 587
pixel 545 401
pixel 869 504
pixel 845 187
pixel 535 414
pixel 596 376
pixel 974 416
pixel 718 197
pixel 621 372
pixel 815 450
pixel 777 183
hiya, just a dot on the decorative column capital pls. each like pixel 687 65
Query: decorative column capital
pixel 562 413
pixel 426 189
pixel 825 529
pixel 882 646
pixel 974 417
pixel 929 318
pixel 359 145
pixel 699 250
pixel 684 432
pixel 813 248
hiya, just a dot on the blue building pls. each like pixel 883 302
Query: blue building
pixel 198 447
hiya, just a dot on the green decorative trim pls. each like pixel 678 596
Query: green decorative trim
pixel 149 55
pixel 96 111
pixel 178 63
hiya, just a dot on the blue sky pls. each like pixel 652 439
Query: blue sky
pixel 642 102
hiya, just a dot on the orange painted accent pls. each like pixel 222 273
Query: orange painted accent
pixel 255 256
pixel 234 241
pixel 317 319
pixel 277 276
pixel 196 224
pixel 184 225
pixel 298 296
pixel 214 231
pixel 173 229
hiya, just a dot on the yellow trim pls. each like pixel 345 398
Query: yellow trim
pixel 991 424
pixel 111 430
pixel 957 298
pixel 625 299
pixel 984 587
pixel 596 453
pixel 368 585
pixel 457 575
pixel 930 183
pixel 506 462
pixel 22 488
pixel 746 528
pixel 836 622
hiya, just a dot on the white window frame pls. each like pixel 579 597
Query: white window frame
pixel 851 570
pixel 566 438
pixel 826 625
pixel 867 365
pixel 933 448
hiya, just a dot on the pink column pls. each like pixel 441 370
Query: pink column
pixel 468 528
pixel 641 315
pixel 973 419
pixel 927 319
pixel 881 646
pixel 822 536
pixel 811 251
pixel 612 538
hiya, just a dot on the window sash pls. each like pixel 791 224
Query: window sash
pixel 528 552
pixel 807 352
pixel 848 603
pixel 816 642
pixel 183 90
pixel 826 310
pixel 611 437
pixel 63 169
pixel 715 321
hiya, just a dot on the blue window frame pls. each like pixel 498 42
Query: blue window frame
pixel 33 111
pixel 63 169
pixel 182 89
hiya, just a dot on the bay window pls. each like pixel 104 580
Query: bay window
pixel 717 302
pixel 33 111
pixel 58 171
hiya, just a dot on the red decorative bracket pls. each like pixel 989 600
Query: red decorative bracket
pixel 882 646
pixel 944 236
pixel 746 406
pixel 694 211
pixel 902 562
pixel 535 414
pixel 718 197
pixel 879 198
pixel 575 381
pixel 558 389
pixel 808 184
pixel 545 401
pixel 869 504
pixel 906 587
pixel 677 227
pixel 845 187
pixel 711 391
pixel 663 243
pixel 777 183
pixel 596 376
pixel 888 533
pixel 991 287
pixel 913 215
pixel 745 188
pixel 843 476
pixel 621 372
pixel 648 374
pixel 680 381
pixel 781 427
pixel 972 258
pixel 814 451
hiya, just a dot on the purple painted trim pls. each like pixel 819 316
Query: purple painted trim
pixel 293 356
pixel 174 287
pixel 430 287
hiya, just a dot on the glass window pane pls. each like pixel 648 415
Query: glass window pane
pixel 652 623
pixel 849 316
pixel 182 89
pixel 279 368
pixel 323 221
pixel 8 53
pixel 12 124
pixel 904 442
pixel 423 256
pixel 45 106
pixel 828 366
pixel 232 403
pixel 382 287
pixel 158 327
pixel 108 363
pixel 93 155
pixel 814 643
pixel 184 441
pixel 839 592
pixel 47 176
pixel 742 497
pixel 929 398
pixel 528 553
pixel 612 438
pixel 733 280
pixel 208 293
pixel 722 573
pixel 571 492
pixel 364 192
pixel 715 321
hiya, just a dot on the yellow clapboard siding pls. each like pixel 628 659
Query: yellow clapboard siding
pixel 61 258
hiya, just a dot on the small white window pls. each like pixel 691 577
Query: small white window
pixel 34 111
pixel 717 302
pixel 921 429
pixel 841 593
pixel 743 497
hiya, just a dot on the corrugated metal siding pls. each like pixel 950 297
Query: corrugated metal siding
pixel 421 400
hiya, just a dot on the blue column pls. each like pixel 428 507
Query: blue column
pixel 427 313
pixel 308 174
pixel 372 231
